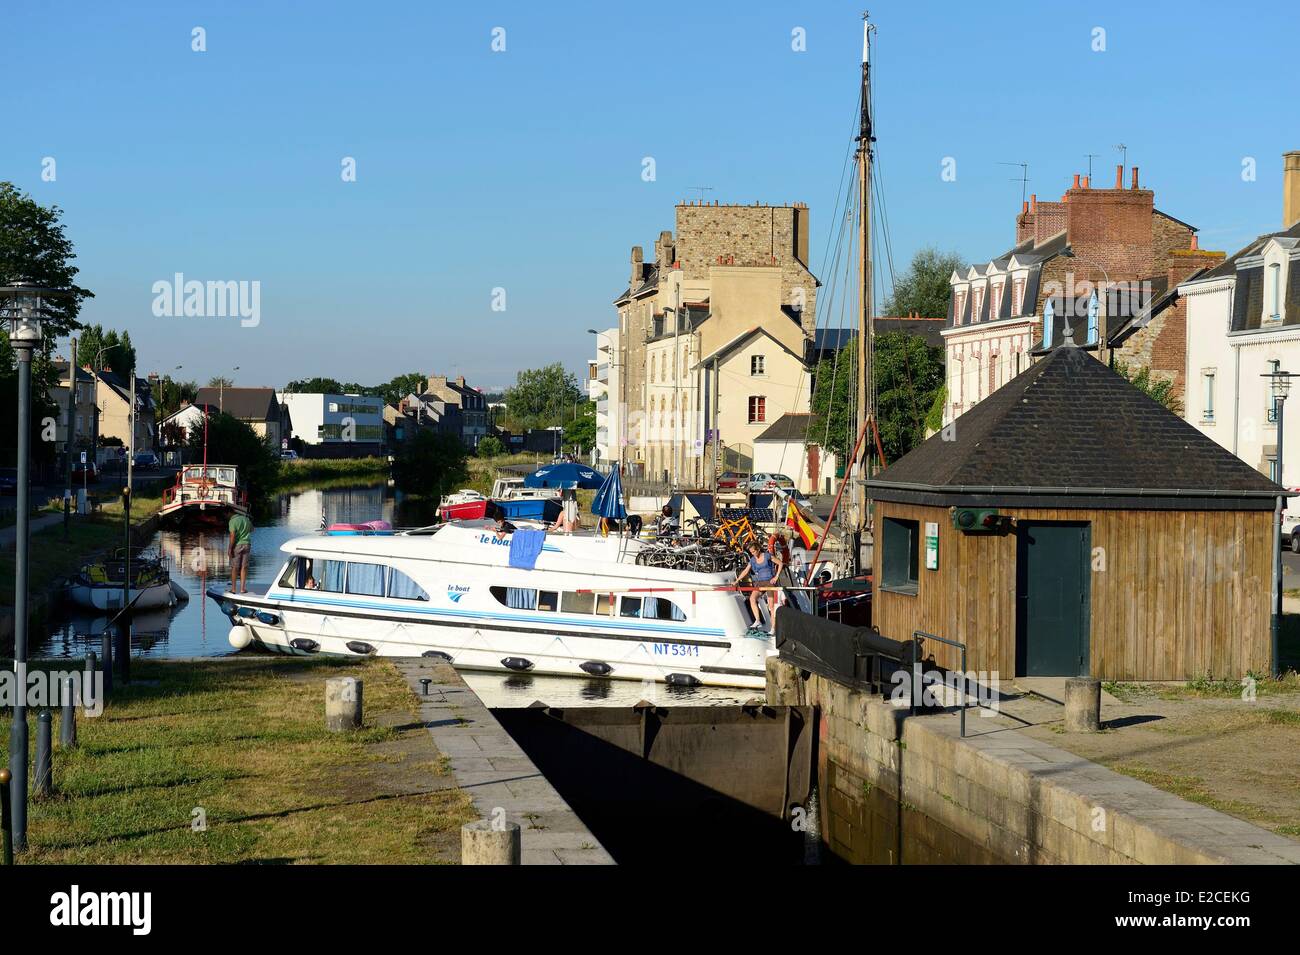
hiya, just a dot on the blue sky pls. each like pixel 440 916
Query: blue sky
pixel 522 169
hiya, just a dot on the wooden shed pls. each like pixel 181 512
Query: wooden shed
pixel 1070 525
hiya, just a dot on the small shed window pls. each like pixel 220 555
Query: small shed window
pixel 899 560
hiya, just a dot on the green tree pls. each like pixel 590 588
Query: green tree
pixel 491 447
pixel 432 464
pixel 908 374
pixel 220 381
pixel 35 247
pixel 1160 390
pixel 231 441
pixel 542 397
pixel 168 393
pixel 314 386
pixel 412 383
pixel 833 387
pixel 580 432
pixel 924 288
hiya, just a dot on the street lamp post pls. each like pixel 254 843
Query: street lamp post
pixel 21 308
pixel 221 389
pixel 1279 384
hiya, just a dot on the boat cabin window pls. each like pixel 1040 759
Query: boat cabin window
pixel 516 598
pixel 366 579
pixel 657 608
pixel 604 605
pixel 404 588
pixel 292 576
pixel 629 607
pixel 548 600
pixel 578 603
pixel 328 575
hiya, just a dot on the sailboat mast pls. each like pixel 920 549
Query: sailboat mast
pixel 865 342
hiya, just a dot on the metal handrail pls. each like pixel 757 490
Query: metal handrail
pixel 952 643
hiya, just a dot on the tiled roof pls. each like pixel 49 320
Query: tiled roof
pixel 1069 427
pixel 792 426
pixel 246 404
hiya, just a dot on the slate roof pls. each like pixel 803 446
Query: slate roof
pixel 791 426
pixel 1070 432
pixel 246 404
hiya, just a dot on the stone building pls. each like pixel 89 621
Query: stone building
pixel 473 406
pixel 727 271
pixel 1109 240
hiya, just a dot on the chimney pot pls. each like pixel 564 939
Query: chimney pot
pixel 1033 201
pixel 1194 242
pixel 1119 176
pixel 1087 182
pixel 1076 181
pixel 1135 177
pixel 1291 188
pixel 1024 208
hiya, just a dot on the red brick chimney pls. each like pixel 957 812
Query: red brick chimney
pixel 1119 176
pixel 1135 177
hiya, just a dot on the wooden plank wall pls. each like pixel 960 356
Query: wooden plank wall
pixel 1176 595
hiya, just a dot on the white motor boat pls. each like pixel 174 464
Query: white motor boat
pixel 562 605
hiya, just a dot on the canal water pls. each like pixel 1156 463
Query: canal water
pixel 197 560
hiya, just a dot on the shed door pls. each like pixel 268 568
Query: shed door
pixel 1053 586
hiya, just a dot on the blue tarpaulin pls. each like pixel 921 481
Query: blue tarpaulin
pixel 567 474
pixel 525 545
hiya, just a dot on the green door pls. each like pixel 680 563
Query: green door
pixel 1053 583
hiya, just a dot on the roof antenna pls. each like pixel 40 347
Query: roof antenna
pixel 701 190
pixel 1024 177
pixel 1090 157
pixel 1123 153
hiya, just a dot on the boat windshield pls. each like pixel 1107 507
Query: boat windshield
pixel 219 474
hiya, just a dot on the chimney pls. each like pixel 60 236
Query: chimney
pixel 1135 177
pixel 1024 208
pixel 1033 202
pixel 1291 188
pixel 1087 182
pixel 460 381
pixel 1119 176
pixel 638 267
pixel 1076 181
pixel 1195 246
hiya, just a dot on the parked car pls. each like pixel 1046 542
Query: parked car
pixel 8 480
pixel 1291 525
pixel 86 471
pixel 287 455
pixel 147 459
pixel 730 480
pixel 764 481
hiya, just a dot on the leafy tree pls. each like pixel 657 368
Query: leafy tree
pixel 231 441
pixel 34 246
pixel 581 431
pixel 491 447
pixel 220 381
pixel 908 374
pixel 412 383
pixel 313 386
pixel 1160 390
pixel 168 394
pixel 833 388
pixel 541 396
pixel 432 464
pixel 924 287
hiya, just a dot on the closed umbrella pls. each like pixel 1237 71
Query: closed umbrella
pixel 608 501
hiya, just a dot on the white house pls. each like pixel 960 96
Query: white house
pixel 336 425
pixel 603 387
pixel 1243 322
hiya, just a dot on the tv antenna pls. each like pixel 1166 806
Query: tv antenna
pixel 1024 177
pixel 1123 150
pixel 701 190
pixel 1090 157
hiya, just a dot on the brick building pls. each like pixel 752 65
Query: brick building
pixel 1112 241
pixel 728 270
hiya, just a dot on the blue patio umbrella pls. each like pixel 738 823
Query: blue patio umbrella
pixel 608 501
pixel 567 474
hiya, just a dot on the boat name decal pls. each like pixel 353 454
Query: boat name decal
pixel 455 592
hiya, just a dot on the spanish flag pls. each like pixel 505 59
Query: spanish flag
pixel 801 527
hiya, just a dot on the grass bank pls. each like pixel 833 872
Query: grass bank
pixel 309 469
pixel 51 556
pixel 228 761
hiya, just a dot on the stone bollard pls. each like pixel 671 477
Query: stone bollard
pixel 1082 705
pixel 483 843
pixel 68 720
pixel 342 704
pixel 43 784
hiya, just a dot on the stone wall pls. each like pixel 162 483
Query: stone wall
pixel 895 789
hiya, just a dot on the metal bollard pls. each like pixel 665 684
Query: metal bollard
pixel 424 685
pixel 342 704
pixel 482 843
pixel 68 716
pixel 1082 705
pixel 43 784
pixel 8 817
pixel 92 667
pixel 106 660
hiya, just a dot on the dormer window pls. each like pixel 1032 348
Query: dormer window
pixel 959 307
pixel 976 303
pixel 1018 297
pixel 1274 293
pixel 995 302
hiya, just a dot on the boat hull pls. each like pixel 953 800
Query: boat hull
pixel 109 596
pixel 483 643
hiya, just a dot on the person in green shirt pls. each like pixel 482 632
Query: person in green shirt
pixel 241 542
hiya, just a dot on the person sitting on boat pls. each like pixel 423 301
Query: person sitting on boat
pixel 567 522
pixel 504 527
pixel 763 570
pixel 308 581
pixel 667 525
